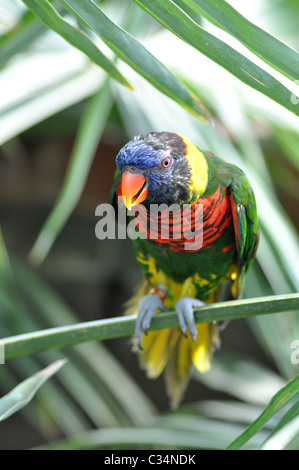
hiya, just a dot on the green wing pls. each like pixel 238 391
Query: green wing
pixel 244 213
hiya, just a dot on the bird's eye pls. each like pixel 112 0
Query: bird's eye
pixel 166 163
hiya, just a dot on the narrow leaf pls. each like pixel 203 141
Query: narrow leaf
pixel 52 309
pixel 287 438
pixel 279 400
pixel 179 23
pixel 290 415
pixel 135 55
pixel 100 330
pixel 90 131
pixel 140 436
pixel 21 395
pixel 28 29
pixel 242 378
pixel 49 16
pixel 280 56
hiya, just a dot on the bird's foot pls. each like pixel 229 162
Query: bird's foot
pixel 184 310
pixel 147 308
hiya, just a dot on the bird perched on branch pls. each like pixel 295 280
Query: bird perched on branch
pixel 184 269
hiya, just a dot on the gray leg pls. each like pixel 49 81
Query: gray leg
pixel 147 308
pixel 184 310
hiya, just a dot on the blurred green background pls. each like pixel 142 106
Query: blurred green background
pixel 62 122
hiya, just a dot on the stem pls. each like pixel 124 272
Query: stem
pixel 124 326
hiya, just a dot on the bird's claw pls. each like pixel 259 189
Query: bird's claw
pixel 147 308
pixel 184 310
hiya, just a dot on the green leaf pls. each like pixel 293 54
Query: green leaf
pixel 58 404
pixel 290 415
pixel 287 438
pixel 28 29
pixel 288 141
pixel 279 400
pixel 49 16
pixel 167 438
pixel 179 23
pixel 21 395
pixel 227 411
pixel 211 428
pixel 274 52
pixel 89 134
pixel 135 55
pixel 242 378
pixel 54 90
pixel 100 330
pixel 52 309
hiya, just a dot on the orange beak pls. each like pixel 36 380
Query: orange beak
pixel 133 189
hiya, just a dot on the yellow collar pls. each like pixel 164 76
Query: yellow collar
pixel 198 168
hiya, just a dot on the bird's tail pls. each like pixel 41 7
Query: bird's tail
pixel 169 351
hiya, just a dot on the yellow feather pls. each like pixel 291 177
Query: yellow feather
pixel 158 347
pixel 201 350
pixel 198 166
pixel 184 358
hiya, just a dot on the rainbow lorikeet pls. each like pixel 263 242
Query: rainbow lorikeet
pixel 166 168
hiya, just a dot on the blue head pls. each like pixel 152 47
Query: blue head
pixel 154 169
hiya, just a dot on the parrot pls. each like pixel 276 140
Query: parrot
pixel 167 170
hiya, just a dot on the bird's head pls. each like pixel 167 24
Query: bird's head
pixel 162 167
